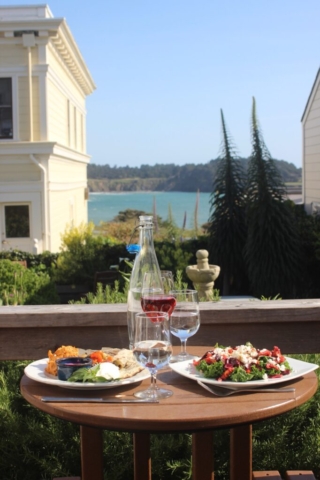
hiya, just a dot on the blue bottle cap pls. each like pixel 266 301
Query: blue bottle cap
pixel 133 248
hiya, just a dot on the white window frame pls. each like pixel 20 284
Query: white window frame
pixel 2 106
pixel 16 204
pixel 14 88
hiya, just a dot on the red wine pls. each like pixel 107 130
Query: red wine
pixel 158 303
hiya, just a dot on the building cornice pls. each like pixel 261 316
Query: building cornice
pixel 59 34
pixel 70 53
pixel 8 147
pixel 50 25
pixel 42 148
pixel 69 154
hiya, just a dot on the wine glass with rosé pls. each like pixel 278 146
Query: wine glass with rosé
pixel 184 320
pixel 152 348
pixel 154 297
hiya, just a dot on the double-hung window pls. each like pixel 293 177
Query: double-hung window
pixel 6 120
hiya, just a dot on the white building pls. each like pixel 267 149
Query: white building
pixel 44 82
pixel 311 150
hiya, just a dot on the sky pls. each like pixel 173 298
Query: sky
pixel 164 69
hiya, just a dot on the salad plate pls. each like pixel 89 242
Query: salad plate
pixel 36 371
pixel 299 368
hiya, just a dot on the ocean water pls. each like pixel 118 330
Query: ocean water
pixel 103 207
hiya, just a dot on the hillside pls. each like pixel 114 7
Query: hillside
pixel 168 177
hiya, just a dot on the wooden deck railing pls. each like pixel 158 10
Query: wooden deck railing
pixel 27 332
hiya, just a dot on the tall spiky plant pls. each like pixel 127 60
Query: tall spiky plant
pixel 227 226
pixel 155 216
pixel 196 211
pixel 271 250
pixel 172 229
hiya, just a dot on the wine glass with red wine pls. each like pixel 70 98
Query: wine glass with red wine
pixel 153 296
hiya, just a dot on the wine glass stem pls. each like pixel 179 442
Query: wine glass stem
pixel 153 386
pixel 154 380
pixel 183 347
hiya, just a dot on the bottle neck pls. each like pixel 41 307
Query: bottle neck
pixel 146 260
pixel 146 236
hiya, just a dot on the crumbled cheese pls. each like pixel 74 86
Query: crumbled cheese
pixel 108 370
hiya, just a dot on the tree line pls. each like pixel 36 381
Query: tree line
pixel 169 177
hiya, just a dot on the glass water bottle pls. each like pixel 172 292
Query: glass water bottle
pixel 145 261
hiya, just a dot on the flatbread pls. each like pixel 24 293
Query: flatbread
pixel 127 364
pixel 124 358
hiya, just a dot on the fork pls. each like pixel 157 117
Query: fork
pixel 225 392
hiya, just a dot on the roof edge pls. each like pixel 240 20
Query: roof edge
pixel 306 108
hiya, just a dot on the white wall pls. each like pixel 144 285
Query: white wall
pixel 66 106
pixel 311 152
pixel 68 180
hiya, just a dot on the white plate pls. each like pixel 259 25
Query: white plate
pixel 36 371
pixel 299 369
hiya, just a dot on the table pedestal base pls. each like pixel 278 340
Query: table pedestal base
pixel 241 453
pixel 142 459
pixel 202 456
pixel 92 463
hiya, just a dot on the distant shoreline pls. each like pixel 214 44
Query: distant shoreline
pixel 291 191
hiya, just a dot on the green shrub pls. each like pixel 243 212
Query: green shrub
pixel 171 253
pixel 45 261
pixel 83 254
pixel 33 445
pixel 177 255
pixel 80 256
pixel 24 286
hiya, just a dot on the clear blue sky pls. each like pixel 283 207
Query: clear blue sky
pixel 164 69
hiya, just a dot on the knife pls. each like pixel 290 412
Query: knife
pixel 98 400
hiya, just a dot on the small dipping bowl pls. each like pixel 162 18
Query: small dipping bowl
pixel 67 366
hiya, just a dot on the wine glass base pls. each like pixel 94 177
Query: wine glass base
pixel 156 393
pixel 182 358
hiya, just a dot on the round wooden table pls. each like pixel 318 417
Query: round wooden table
pixel 191 409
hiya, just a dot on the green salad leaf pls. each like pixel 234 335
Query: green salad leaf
pixel 240 375
pixel 88 375
pixel 214 370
